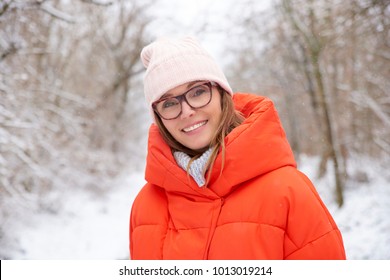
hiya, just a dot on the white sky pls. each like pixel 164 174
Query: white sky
pixel 175 17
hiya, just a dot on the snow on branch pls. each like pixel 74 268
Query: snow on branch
pixel 382 144
pixel 4 6
pixel 19 197
pixel 84 102
pixel 57 13
pixel 98 2
pixel 367 101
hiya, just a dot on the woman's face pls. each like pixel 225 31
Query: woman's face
pixel 195 128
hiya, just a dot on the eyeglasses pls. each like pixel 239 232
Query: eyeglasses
pixel 170 108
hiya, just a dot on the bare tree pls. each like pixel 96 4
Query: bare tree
pixel 331 55
pixel 314 44
pixel 64 68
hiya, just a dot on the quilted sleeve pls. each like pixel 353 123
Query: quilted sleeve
pixel 311 232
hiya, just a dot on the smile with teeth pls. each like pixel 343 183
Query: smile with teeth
pixel 195 126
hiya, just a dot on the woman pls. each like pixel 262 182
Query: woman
pixel 221 179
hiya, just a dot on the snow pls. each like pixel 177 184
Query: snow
pixel 364 219
pixel 93 226
pixel 89 226
pixel 96 227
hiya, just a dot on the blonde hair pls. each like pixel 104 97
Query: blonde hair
pixel 230 119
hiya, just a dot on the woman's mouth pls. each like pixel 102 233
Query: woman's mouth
pixel 193 127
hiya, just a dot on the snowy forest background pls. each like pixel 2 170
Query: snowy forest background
pixel 73 121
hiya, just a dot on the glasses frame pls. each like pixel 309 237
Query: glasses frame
pixel 182 97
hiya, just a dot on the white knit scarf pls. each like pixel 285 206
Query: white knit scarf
pixel 197 167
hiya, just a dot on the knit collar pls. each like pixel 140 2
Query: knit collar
pixel 197 167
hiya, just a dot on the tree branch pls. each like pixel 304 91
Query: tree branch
pixel 98 2
pixel 56 13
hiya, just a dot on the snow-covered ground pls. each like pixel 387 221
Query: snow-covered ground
pixel 96 227
pixel 364 219
pixel 89 226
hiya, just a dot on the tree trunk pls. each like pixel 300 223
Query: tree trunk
pixel 315 45
pixel 331 145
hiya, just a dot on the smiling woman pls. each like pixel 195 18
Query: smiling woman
pixel 220 170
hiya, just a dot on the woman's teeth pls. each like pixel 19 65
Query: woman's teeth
pixel 191 128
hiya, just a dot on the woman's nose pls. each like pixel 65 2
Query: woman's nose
pixel 186 110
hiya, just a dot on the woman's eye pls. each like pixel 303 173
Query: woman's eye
pixel 198 91
pixel 169 103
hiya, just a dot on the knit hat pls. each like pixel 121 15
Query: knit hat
pixel 171 62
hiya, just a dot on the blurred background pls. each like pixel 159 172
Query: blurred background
pixel 73 119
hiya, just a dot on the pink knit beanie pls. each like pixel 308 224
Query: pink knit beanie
pixel 172 62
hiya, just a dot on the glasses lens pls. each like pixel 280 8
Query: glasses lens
pixel 169 108
pixel 199 96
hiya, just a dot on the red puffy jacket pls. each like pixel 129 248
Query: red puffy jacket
pixel 259 207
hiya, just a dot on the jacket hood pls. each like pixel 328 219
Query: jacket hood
pixel 256 147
